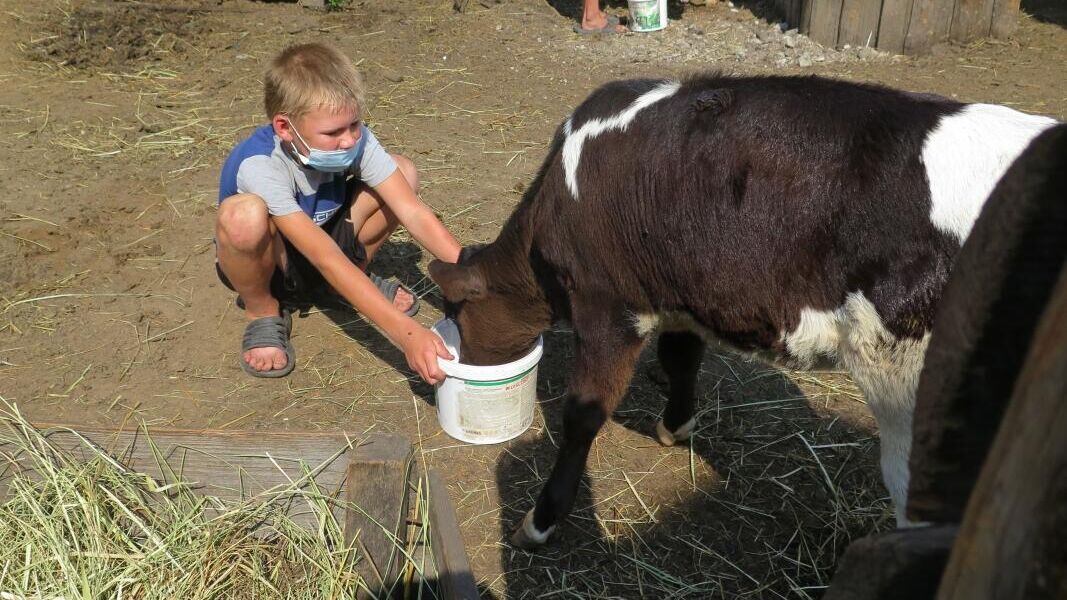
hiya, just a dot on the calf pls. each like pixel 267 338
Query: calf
pixel 800 218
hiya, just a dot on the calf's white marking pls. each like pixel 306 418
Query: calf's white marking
pixel 885 368
pixel 965 156
pixel 572 146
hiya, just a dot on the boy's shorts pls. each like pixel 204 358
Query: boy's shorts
pixel 300 280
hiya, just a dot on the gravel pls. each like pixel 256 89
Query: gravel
pixel 720 36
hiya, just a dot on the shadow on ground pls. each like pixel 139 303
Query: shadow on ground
pixel 762 504
pixel 398 260
pixel 1047 11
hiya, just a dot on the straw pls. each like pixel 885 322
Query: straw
pixel 90 527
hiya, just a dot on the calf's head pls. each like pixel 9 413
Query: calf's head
pixel 498 319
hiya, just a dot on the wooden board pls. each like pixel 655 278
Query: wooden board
pixel 1005 18
pixel 371 472
pixel 785 8
pixel 791 10
pixel 825 20
pixel 1012 544
pixel 929 25
pixel 378 486
pixel 454 578
pixel 793 14
pixel 804 25
pixel 971 20
pixel 902 564
pixel 893 25
pixel 859 23
pixel 233 465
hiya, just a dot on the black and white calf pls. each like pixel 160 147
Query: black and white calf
pixel 800 218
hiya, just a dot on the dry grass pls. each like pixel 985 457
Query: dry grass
pixel 141 51
pixel 779 478
pixel 73 527
pixel 775 484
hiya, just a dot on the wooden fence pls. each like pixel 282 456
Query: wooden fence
pixel 900 26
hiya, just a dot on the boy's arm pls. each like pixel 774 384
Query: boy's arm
pixel 417 218
pixel 420 346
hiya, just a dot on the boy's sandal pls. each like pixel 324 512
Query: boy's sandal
pixel 388 288
pixel 269 332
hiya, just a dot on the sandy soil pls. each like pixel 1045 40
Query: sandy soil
pixel 116 116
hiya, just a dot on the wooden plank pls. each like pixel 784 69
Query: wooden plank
pixel 859 23
pixel 1012 544
pixel 1002 280
pixel 971 20
pixel 804 25
pixel 793 17
pixel 791 10
pixel 378 488
pixel 454 578
pixel 372 472
pixel 929 25
pixel 893 25
pixel 825 20
pixel 1005 18
pixel 906 563
pixel 232 465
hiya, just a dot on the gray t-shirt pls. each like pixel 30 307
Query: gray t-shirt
pixel 261 165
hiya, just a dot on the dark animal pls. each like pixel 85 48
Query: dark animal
pixel 1003 280
pixel 800 218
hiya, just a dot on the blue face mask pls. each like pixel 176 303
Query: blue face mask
pixel 330 161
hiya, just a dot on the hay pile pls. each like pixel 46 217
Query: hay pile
pixel 71 528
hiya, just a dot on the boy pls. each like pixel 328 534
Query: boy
pixel 292 223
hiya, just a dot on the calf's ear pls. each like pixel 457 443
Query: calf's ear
pixel 458 282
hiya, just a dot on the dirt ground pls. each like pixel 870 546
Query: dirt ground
pixel 116 117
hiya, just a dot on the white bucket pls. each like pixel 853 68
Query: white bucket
pixel 488 404
pixel 647 15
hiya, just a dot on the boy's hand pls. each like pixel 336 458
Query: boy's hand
pixel 422 347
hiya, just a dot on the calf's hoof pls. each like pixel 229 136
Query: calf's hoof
pixel 669 438
pixel 528 537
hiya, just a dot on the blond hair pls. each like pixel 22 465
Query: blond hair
pixel 308 77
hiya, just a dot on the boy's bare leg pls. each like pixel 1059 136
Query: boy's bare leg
pixel 248 251
pixel 374 222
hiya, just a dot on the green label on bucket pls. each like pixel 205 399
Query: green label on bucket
pixel 498 409
pixel 499 381
pixel 645 14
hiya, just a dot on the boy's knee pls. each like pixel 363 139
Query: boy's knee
pixel 243 221
pixel 407 168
